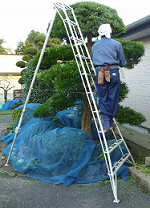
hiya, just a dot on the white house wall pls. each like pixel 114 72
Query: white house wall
pixel 8 63
pixel 138 81
pixel 8 66
pixel 13 83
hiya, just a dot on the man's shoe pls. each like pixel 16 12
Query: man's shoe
pixel 106 119
pixel 112 124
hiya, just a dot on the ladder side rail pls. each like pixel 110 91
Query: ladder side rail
pixel 109 167
pixel 74 52
pixel 124 141
pixel 120 162
pixel 82 39
pixel 68 20
pixel 89 87
pixel 82 49
pixel 69 38
pixel 30 89
pixel 82 76
pixel 87 52
pixel 113 181
pixel 88 68
pixel 91 77
pixel 117 140
pixel 105 155
pixel 81 61
pixel 92 66
pixel 84 44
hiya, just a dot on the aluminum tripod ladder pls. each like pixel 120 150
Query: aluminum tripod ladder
pixel 85 67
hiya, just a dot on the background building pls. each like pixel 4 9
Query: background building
pixel 9 73
pixel 138 79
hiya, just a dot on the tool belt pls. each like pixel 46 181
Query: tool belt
pixel 104 71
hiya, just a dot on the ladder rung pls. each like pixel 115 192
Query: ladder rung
pixel 118 164
pixel 90 75
pixel 60 6
pixel 114 145
pixel 79 41
pixel 71 22
pixel 106 130
pixel 83 57
pixel 90 92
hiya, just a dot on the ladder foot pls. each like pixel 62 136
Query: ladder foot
pixel 116 201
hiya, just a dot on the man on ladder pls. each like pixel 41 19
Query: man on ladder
pixel 107 56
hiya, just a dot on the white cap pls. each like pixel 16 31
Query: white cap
pixel 105 29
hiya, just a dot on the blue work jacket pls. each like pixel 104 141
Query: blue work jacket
pixel 107 52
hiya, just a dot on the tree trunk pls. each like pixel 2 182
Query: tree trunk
pixel 89 43
pixel 86 118
pixel 5 96
pixel 86 112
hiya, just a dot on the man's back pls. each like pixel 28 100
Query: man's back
pixel 107 52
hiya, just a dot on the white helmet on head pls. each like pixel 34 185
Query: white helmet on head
pixel 105 30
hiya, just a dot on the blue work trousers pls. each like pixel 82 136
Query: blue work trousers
pixel 108 93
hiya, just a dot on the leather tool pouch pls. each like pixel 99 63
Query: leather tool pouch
pixel 107 74
pixel 101 76
pixel 104 71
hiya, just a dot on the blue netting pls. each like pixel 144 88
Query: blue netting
pixel 56 154
pixel 11 104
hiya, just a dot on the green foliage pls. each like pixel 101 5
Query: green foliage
pixel 21 64
pixel 32 35
pixel 64 76
pixel 58 102
pixel 21 81
pixel 40 38
pixel 90 16
pixel 22 72
pixel 133 50
pixel 30 50
pixel 37 95
pixel 2 49
pixel 15 115
pixel 20 48
pixel 26 58
pixel 66 92
pixel 51 56
pixel 123 91
pixel 129 116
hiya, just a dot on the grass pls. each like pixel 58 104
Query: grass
pixel 6 112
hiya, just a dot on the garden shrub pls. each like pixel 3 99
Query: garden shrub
pixel 15 115
pixel 41 91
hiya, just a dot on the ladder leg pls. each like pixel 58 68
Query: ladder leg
pixel 30 89
pixel 113 180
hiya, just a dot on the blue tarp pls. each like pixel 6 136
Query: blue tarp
pixel 11 104
pixel 58 154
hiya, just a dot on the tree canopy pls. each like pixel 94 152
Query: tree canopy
pixel 31 46
pixel 4 50
pixel 63 79
pixel 90 16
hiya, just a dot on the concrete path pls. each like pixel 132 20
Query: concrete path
pixel 19 191
pixel 5 121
